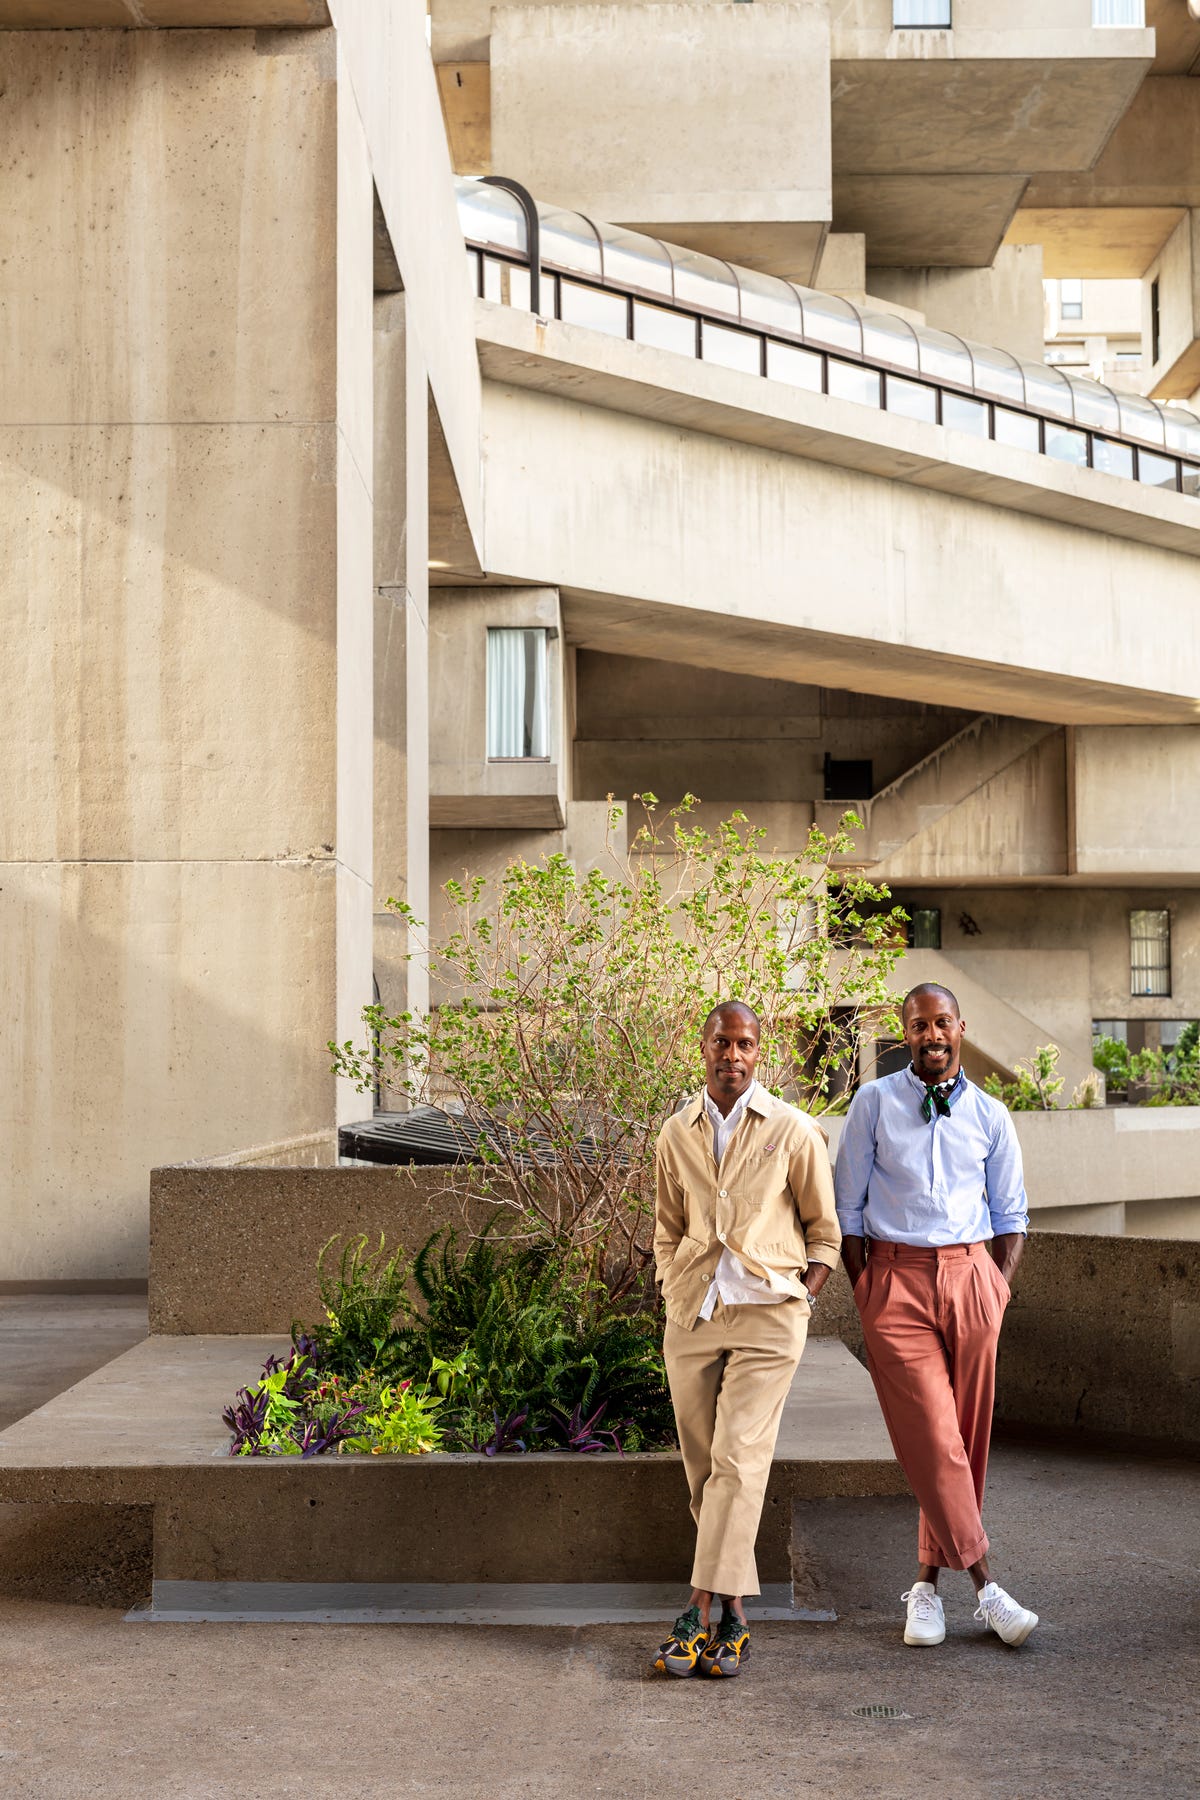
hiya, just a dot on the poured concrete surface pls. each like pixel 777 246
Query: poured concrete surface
pixel 1100 1702
pixel 50 1341
pixel 90 1553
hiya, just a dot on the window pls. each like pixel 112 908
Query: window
pixel 1150 952
pixel 962 414
pixel 925 928
pixel 802 368
pixel 592 307
pixel 1130 13
pixel 911 399
pixel 666 330
pixel 518 708
pixel 1114 459
pixel 1155 323
pixel 1157 471
pixel 1065 445
pixel 850 381
pixel 1070 299
pixel 920 14
pixel 1021 430
pixel 848 779
pixel 732 349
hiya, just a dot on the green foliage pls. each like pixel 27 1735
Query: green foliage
pixel 508 1327
pixel 362 1302
pixel 1037 1086
pixel 399 1421
pixel 567 1013
pixel 1153 1077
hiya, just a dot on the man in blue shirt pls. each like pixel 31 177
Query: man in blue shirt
pixel 931 1202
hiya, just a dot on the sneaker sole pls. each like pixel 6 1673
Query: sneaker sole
pixel 680 1674
pixel 927 1643
pixel 1014 1643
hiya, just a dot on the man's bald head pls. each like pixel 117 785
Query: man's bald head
pixel 932 990
pixel 731 1006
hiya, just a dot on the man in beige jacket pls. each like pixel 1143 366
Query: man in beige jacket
pixel 745 1236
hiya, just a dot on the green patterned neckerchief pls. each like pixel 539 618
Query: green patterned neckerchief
pixel 939 1097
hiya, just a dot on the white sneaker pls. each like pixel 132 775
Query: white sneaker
pixel 926 1623
pixel 999 1610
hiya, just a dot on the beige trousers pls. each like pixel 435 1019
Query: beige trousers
pixel 729 1377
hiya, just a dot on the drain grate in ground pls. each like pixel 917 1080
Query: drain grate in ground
pixel 878 1712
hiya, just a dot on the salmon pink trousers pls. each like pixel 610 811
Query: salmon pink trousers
pixel 931 1319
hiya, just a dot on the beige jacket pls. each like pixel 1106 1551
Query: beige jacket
pixel 770 1202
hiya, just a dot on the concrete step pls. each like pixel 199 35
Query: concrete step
pixel 147 1429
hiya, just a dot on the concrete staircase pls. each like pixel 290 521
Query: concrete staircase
pixel 989 802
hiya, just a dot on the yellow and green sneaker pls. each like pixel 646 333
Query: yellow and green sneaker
pixel 681 1652
pixel 727 1648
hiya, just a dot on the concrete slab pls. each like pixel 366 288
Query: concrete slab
pixel 440 1603
pixel 1101 1701
pixel 49 1341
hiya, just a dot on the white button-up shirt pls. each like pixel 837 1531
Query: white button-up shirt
pixel 731 1282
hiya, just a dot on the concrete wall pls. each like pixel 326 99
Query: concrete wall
pixel 185 435
pixel 395 93
pixel 731 738
pixel 466 789
pixel 578 115
pixel 401 650
pixel 1062 919
pixel 1176 270
pixel 1002 305
pixel 1135 801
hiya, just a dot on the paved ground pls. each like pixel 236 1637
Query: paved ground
pixel 1101 1702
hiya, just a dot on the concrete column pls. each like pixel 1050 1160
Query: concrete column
pixel 401 650
pixel 185 524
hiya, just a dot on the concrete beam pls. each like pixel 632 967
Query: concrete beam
pixel 570 362
pixel 1151 165
pixel 843 550
pixel 63 15
pixel 393 86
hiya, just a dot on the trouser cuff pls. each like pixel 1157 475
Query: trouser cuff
pixel 936 1558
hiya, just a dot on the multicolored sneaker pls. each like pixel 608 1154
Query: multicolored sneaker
pixel 681 1652
pixel 728 1648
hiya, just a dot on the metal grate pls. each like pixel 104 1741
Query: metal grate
pixel 427 1135
pixel 878 1711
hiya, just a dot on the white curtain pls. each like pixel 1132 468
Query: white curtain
pixel 518 713
pixel 920 12
pixel 1119 12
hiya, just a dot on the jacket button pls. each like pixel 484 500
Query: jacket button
pixel 722 1193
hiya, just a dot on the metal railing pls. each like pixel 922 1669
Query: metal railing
pixel 630 286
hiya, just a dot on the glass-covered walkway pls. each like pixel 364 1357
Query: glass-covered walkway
pixel 633 286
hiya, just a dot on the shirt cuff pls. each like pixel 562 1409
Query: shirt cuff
pixel 823 1253
pixel 1010 1225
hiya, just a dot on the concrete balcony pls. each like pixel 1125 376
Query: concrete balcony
pixel 663 495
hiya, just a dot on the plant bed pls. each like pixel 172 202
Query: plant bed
pixel 506 1349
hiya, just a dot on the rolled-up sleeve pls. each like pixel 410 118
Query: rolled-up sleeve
pixel 668 1209
pixel 855 1161
pixel 811 1181
pixel 1004 1180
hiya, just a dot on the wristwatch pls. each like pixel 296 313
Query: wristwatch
pixel 812 1300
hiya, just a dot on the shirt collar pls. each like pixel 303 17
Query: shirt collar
pixel 755 1099
pixel 921 1087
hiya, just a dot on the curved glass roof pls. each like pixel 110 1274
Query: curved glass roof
pixel 492 218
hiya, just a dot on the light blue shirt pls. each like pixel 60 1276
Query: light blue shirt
pixel 953 1180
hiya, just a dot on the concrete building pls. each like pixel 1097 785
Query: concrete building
pixel 364 521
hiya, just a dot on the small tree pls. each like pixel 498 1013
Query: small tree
pixel 567 1008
